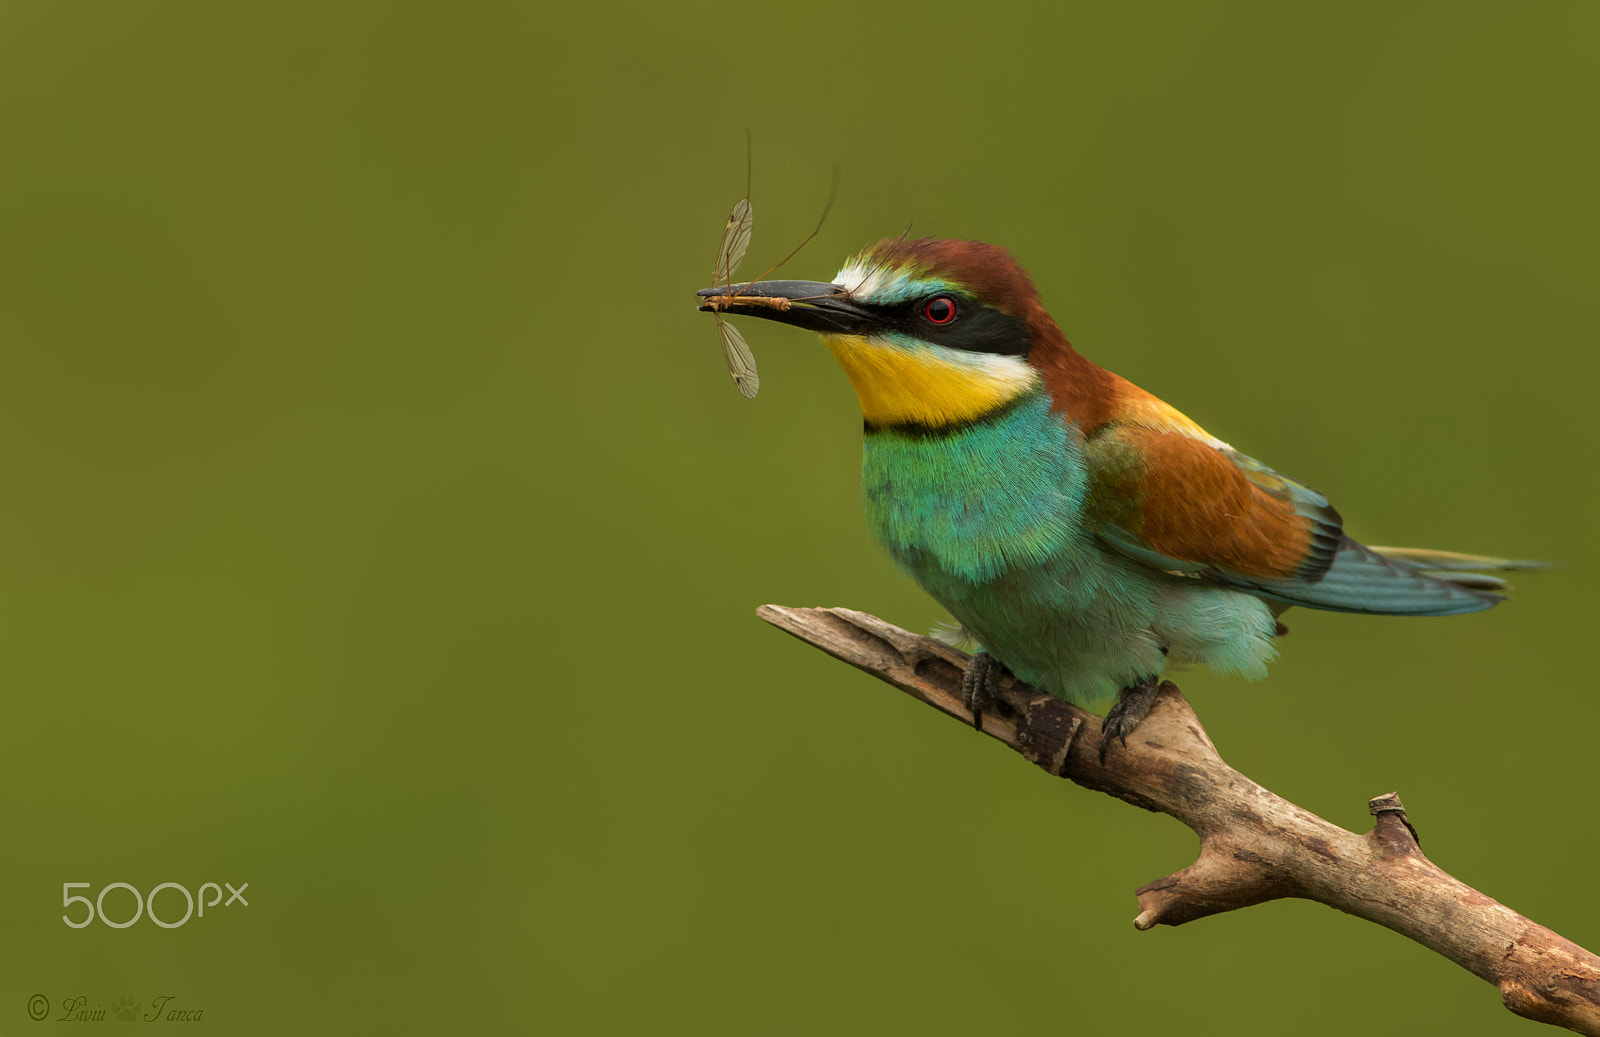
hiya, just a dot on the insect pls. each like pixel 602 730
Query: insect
pixel 735 243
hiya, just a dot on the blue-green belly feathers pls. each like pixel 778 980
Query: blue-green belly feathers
pixel 989 518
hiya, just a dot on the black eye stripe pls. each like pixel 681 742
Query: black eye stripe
pixel 971 326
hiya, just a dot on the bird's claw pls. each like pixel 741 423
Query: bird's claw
pixel 980 686
pixel 1132 706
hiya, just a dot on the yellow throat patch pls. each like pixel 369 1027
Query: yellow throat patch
pixel 928 386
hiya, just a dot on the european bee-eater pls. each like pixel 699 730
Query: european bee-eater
pixel 1085 533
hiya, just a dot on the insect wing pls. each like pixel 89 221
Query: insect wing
pixel 741 362
pixel 735 239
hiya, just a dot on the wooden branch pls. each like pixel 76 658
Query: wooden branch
pixel 1254 846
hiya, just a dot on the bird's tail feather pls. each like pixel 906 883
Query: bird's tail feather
pixel 1463 570
pixel 1396 581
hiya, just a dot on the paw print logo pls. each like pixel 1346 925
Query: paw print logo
pixel 126 1008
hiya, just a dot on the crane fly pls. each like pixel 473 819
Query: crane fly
pixel 735 350
pixel 735 243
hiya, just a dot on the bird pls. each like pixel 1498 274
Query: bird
pixel 1086 534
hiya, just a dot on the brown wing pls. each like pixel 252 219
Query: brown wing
pixel 1189 504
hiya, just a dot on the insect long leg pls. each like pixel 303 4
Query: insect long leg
pixel 735 243
pixel 833 192
pixel 877 267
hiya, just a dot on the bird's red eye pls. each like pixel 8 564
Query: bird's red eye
pixel 941 309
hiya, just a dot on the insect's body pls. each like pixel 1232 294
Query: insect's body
pixel 717 304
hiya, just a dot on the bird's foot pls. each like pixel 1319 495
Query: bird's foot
pixel 1132 706
pixel 980 686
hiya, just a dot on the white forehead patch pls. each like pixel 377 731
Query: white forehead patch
pixel 859 279
pixel 876 282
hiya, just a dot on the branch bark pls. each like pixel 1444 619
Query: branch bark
pixel 1255 846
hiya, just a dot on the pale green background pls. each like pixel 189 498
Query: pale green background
pixel 381 529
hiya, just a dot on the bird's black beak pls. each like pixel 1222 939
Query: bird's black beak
pixel 813 305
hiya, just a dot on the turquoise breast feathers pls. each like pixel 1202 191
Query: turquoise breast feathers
pixel 988 519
